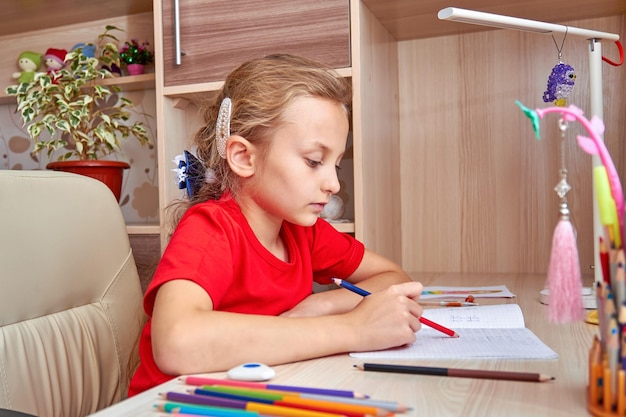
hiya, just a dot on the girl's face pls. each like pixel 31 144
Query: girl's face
pixel 296 176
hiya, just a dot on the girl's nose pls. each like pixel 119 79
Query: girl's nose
pixel 331 183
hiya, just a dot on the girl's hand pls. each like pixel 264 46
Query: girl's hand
pixel 387 318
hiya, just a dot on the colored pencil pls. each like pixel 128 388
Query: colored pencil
pixel 462 373
pixel 216 401
pixel 249 395
pixel 200 381
pixel 386 405
pixel 612 347
pixel 448 303
pixel 621 323
pixel 422 319
pixel 182 408
pixel 604 261
pixel 250 406
pixel 180 397
pixel 458 292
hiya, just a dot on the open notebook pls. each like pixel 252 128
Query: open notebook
pixel 491 331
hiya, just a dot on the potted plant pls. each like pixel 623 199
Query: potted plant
pixel 69 111
pixel 136 56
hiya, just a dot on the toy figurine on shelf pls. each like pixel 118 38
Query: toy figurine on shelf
pixel 110 61
pixel 54 59
pixel 88 49
pixel 29 62
pixel 108 50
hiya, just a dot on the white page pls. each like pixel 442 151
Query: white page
pixel 492 291
pixel 477 317
pixel 485 332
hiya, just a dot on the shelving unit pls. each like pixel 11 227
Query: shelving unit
pixel 126 83
pixel 64 33
pixel 177 101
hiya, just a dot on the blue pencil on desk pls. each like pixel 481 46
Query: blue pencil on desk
pixel 422 319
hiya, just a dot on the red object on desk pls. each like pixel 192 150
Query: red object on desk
pixel 604 261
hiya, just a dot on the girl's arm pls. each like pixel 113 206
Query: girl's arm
pixel 189 337
pixel 373 274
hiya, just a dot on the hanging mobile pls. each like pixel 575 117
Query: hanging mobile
pixel 561 80
pixel 564 276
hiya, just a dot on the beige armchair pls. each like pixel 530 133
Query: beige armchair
pixel 70 296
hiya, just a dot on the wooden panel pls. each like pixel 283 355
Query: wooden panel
pixel 377 168
pixel 20 16
pixel 477 188
pixel 147 253
pixel 410 19
pixel 219 35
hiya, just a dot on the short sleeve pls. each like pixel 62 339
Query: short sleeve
pixel 334 254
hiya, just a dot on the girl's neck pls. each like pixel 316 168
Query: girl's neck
pixel 266 228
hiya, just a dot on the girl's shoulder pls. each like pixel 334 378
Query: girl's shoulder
pixel 222 207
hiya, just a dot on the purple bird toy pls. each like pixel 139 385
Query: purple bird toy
pixel 560 84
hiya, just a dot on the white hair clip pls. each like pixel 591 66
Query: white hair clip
pixel 222 126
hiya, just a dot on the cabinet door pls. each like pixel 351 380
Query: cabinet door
pixel 218 35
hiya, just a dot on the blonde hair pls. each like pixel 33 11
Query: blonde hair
pixel 260 90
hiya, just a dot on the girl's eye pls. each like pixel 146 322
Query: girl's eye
pixel 313 163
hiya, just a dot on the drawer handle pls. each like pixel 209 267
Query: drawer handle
pixel 178 52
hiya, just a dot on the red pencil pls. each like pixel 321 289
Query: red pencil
pixel 423 320
pixel 604 261
pixel 439 327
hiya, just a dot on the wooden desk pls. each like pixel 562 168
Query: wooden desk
pixel 447 396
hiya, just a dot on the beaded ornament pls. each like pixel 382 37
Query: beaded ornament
pixel 560 81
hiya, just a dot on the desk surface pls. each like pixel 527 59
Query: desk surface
pixel 448 396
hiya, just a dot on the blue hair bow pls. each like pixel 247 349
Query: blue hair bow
pixel 191 173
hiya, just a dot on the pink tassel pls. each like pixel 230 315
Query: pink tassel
pixel 564 280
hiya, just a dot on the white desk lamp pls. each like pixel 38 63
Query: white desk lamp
pixel 595 74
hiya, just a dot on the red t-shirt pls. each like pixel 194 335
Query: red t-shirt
pixel 215 247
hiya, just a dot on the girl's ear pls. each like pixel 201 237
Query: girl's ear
pixel 240 155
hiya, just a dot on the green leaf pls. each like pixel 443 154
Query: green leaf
pixel 63 125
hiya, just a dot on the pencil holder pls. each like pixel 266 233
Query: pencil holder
pixel 605 393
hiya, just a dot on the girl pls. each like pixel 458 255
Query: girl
pixel 234 284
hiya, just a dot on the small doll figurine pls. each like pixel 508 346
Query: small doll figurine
pixel 88 49
pixel 54 59
pixel 29 62
pixel 110 60
pixel 110 63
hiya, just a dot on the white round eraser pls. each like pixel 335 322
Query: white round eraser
pixel 251 372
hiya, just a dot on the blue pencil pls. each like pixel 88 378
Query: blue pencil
pixel 345 284
pixel 202 410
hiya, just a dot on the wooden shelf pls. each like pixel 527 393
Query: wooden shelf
pixel 126 83
pixel 197 91
pixel 344 227
pixel 143 229
pixel 407 20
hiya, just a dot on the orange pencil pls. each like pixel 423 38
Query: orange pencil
pixel 289 400
pixel 199 381
pixel 255 387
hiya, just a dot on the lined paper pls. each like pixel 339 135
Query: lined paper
pixel 494 331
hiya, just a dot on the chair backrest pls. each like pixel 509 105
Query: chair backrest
pixel 70 295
